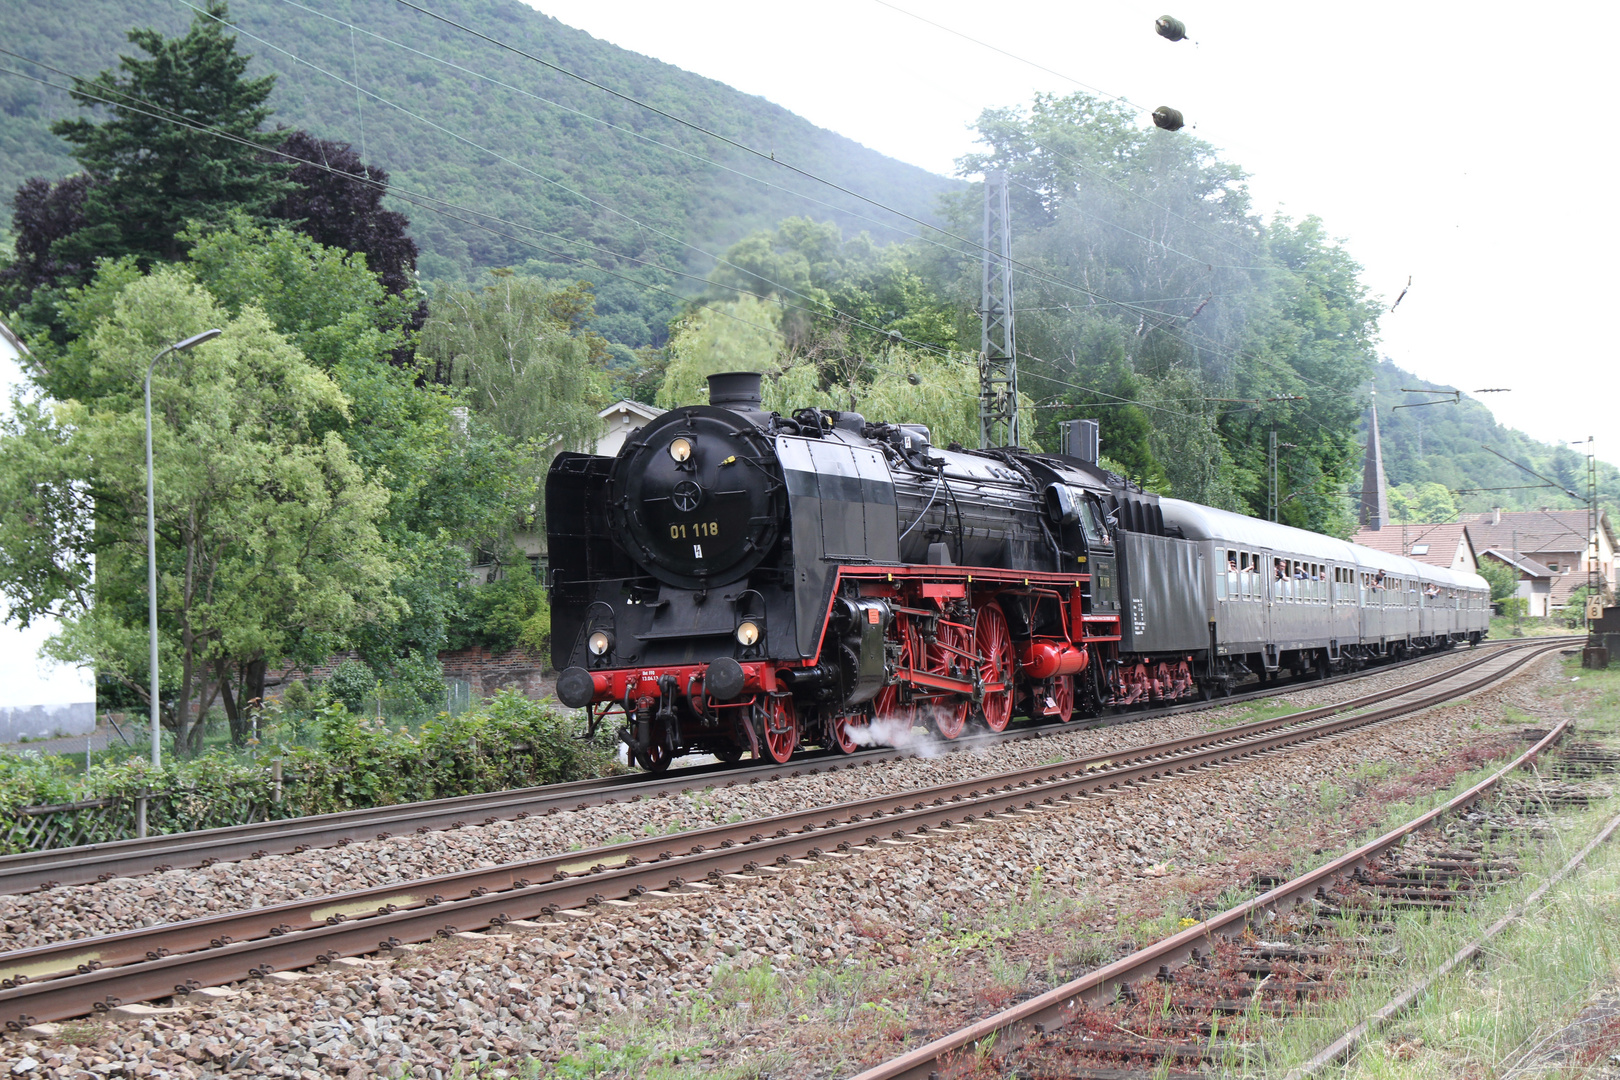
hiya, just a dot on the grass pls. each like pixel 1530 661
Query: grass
pixel 1502 627
pixel 1513 1012
pixel 838 1013
pixel 1255 711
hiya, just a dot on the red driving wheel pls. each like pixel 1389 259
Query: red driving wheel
pixel 948 656
pixel 995 666
pixel 780 726
pixel 1063 697
pixel 842 729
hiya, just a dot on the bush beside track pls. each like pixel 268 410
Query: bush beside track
pixel 353 762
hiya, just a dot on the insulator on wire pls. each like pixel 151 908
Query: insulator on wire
pixel 1169 119
pixel 1170 27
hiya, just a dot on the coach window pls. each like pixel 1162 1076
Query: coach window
pixel 1220 575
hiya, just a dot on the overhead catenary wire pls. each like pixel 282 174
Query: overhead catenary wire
pixel 975 245
pixel 1019 268
pixel 421 199
pixel 1014 56
pixel 1081 165
pixel 837 315
pixel 426 202
pixel 1028 271
pixel 622 129
pixel 517 165
pixel 450 210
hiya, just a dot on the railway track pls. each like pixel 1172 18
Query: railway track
pixel 1207 966
pixel 130 858
pixel 76 977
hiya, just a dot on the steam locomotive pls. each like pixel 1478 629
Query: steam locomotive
pixel 736 581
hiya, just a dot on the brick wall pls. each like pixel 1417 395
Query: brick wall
pixel 487 672
pixel 519 669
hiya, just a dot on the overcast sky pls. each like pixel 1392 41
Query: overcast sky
pixel 1466 146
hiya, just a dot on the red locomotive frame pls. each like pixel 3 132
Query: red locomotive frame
pixel 945 669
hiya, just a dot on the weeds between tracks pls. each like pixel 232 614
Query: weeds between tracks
pixel 1027 927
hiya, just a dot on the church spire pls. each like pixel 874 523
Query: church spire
pixel 1374 490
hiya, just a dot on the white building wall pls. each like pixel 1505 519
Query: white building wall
pixel 38 698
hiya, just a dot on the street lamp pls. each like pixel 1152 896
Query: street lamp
pixel 151 535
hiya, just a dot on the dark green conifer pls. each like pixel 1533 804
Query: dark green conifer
pixel 151 176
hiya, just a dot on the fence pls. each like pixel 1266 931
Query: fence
pixel 115 817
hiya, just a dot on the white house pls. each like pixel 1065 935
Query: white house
pixel 619 420
pixel 38 698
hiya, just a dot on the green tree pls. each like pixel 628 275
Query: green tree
pixel 740 335
pixel 153 176
pixel 522 351
pixel 1503 579
pixel 1427 503
pixel 265 524
pixel 454 481
pixel 1152 297
pixel 522 356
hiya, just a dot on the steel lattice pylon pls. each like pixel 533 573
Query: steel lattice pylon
pixel 998 345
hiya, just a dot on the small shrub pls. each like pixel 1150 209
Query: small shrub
pixel 353 684
pixel 28 778
pixel 418 677
pixel 296 698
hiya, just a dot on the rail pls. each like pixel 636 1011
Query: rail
pixel 1006 1030
pixel 73 978
pixel 131 857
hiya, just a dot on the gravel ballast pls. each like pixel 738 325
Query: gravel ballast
pixel 78 911
pixel 880 918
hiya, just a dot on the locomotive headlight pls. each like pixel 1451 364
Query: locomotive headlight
pixel 600 643
pixel 748 633
pixel 680 449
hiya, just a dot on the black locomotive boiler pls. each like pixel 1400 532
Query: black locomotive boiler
pixel 736 581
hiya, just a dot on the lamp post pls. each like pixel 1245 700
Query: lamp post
pixel 151 539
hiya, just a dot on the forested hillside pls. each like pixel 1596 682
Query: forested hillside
pixel 510 151
pixel 1150 293
pixel 355 460
pixel 1445 444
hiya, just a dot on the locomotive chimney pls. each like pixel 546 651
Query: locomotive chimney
pixel 735 388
